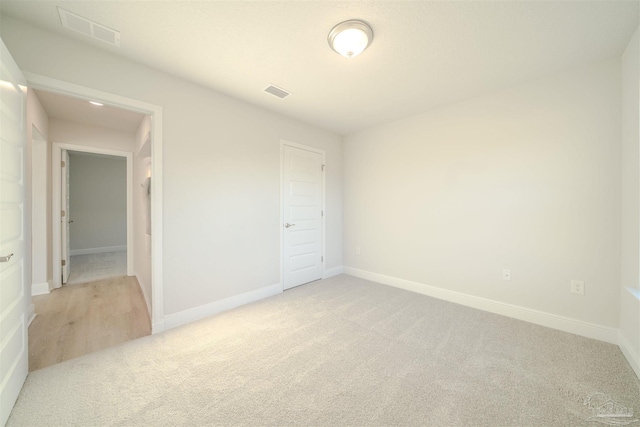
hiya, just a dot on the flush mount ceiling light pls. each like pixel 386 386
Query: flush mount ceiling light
pixel 350 38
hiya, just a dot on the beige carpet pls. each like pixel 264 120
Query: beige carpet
pixel 341 351
pixel 92 267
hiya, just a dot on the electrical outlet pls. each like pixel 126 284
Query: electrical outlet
pixel 357 250
pixel 506 274
pixel 577 287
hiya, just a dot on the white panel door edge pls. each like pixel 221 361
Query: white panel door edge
pixel 302 215
pixel 14 261
pixel 64 217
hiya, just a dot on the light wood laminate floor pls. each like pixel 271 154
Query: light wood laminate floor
pixel 79 319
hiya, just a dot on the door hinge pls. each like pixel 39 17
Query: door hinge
pixel 321 213
pixel 63 214
pixel 321 259
pixel 63 262
pixel 62 164
pixel 323 167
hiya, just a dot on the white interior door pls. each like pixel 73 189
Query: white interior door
pixel 14 361
pixel 64 217
pixel 302 215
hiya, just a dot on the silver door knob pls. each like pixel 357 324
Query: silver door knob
pixel 5 258
pixel 289 225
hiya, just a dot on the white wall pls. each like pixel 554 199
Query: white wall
pixel 38 204
pixel 40 169
pixel 97 202
pixel 141 212
pixel 526 179
pixel 221 169
pixel 630 254
pixel 63 131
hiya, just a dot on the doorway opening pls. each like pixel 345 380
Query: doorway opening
pixel 100 214
pixel 98 296
pixel 149 150
pixel 92 210
pixel 94 227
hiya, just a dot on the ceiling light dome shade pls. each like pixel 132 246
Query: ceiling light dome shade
pixel 350 38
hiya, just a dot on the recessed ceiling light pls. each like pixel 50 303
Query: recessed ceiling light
pixel 96 103
pixel 350 38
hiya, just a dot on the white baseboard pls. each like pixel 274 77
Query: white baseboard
pixel 566 324
pixel 157 327
pixel 330 272
pixel 54 285
pixel 102 250
pixel 39 289
pixel 196 313
pixel 32 314
pixel 629 353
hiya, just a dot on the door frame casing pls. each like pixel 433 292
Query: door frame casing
pixel 283 143
pixel 56 202
pixel 49 84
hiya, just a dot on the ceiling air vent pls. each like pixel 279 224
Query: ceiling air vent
pixel 89 28
pixel 276 91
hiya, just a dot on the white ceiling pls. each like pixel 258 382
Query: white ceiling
pixel 76 110
pixel 425 54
